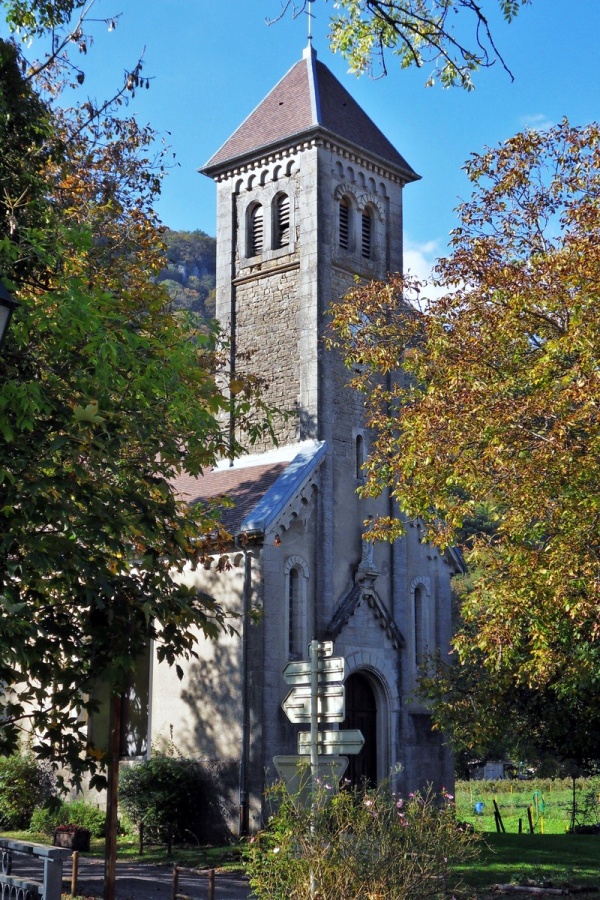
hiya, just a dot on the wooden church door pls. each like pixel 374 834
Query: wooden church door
pixel 361 712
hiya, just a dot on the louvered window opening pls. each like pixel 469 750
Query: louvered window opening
pixel 283 221
pixel 366 234
pixel 344 224
pixel 256 231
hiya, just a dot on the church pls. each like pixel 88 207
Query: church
pixel 309 196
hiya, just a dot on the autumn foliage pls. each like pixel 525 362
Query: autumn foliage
pixel 491 395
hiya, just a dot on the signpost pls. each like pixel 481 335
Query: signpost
pixel 329 670
pixel 317 696
pixel 331 743
pixel 331 705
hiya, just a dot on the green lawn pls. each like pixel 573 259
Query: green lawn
pixel 549 854
pixel 551 803
pixel 562 859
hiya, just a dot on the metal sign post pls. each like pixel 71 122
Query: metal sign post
pixel 317 695
pixel 314 716
pixel 314 750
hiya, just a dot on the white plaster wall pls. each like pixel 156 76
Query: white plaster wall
pixel 201 713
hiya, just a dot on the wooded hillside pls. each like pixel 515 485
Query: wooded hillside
pixel 190 274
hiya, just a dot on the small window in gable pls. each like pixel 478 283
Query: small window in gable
pixel 255 230
pixel 344 224
pixel 282 221
pixel 366 233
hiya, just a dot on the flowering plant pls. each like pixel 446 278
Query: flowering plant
pixel 359 844
pixel 70 828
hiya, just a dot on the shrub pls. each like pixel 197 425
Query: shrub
pixel 45 820
pixel 24 784
pixel 359 843
pixel 173 794
pixel 79 812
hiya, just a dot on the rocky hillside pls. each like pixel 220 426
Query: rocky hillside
pixel 190 274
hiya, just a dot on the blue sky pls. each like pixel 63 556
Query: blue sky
pixel 212 61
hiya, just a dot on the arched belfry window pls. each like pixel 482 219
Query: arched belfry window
pixel 255 230
pixel 296 630
pixel 281 230
pixel 366 233
pixel 344 224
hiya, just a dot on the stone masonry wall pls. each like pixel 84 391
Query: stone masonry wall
pixel 267 329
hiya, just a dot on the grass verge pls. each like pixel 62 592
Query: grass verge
pixel 564 859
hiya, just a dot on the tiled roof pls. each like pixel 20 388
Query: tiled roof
pixel 309 96
pixel 244 486
pixel 259 486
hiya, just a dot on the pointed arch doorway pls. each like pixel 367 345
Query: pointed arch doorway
pixel 361 712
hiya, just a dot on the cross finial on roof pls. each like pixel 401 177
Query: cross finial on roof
pixel 310 17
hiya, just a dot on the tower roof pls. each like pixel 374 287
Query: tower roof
pixel 308 98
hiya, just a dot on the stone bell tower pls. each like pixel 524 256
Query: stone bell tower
pixel 309 196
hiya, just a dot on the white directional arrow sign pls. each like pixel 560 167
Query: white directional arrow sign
pixel 331 743
pixel 330 703
pixel 324 648
pixel 330 669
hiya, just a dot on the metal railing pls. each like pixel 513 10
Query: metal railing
pixel 14 888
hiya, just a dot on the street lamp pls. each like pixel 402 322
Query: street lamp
pixel 7 307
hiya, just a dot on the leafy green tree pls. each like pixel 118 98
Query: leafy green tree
pixel 38 17
pixel 418 33
pixel 25 150
pixel 497 402
pixel 485 713
pixel 106 394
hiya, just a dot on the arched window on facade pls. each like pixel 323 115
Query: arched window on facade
pixel 359 449
pixel 294 623
pixel 344 224
pixel 296 576
pixel 366 233
pixel 255 230
pixel 421 624
pixel 281 230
